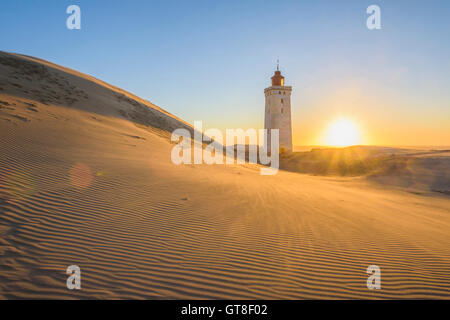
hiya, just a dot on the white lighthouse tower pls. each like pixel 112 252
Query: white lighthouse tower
pixel 278 111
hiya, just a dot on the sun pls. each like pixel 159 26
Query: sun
pixel 342 133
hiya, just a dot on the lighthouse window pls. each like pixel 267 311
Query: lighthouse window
pixel 279 92
pixel 281 110
pixel 282 101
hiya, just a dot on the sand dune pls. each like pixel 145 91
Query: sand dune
pixel 86 179
pixel 424 170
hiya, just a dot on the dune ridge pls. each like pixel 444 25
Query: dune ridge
pixel 83 183
pixel 417 170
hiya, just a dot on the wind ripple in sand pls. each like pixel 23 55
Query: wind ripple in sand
pixel 135 245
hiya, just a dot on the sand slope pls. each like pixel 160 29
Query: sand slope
pixel 90 182
pixel 425 170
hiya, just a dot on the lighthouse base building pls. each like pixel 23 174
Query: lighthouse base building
pixel 278 112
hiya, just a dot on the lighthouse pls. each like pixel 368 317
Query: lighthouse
pixel 278 112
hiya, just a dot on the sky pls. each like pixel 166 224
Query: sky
pixel 211 60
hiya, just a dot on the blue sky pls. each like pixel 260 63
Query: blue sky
pixel 211 60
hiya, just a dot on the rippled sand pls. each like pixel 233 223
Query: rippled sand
pixel 90 182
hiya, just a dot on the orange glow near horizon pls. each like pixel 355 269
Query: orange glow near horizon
pixel 342 132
